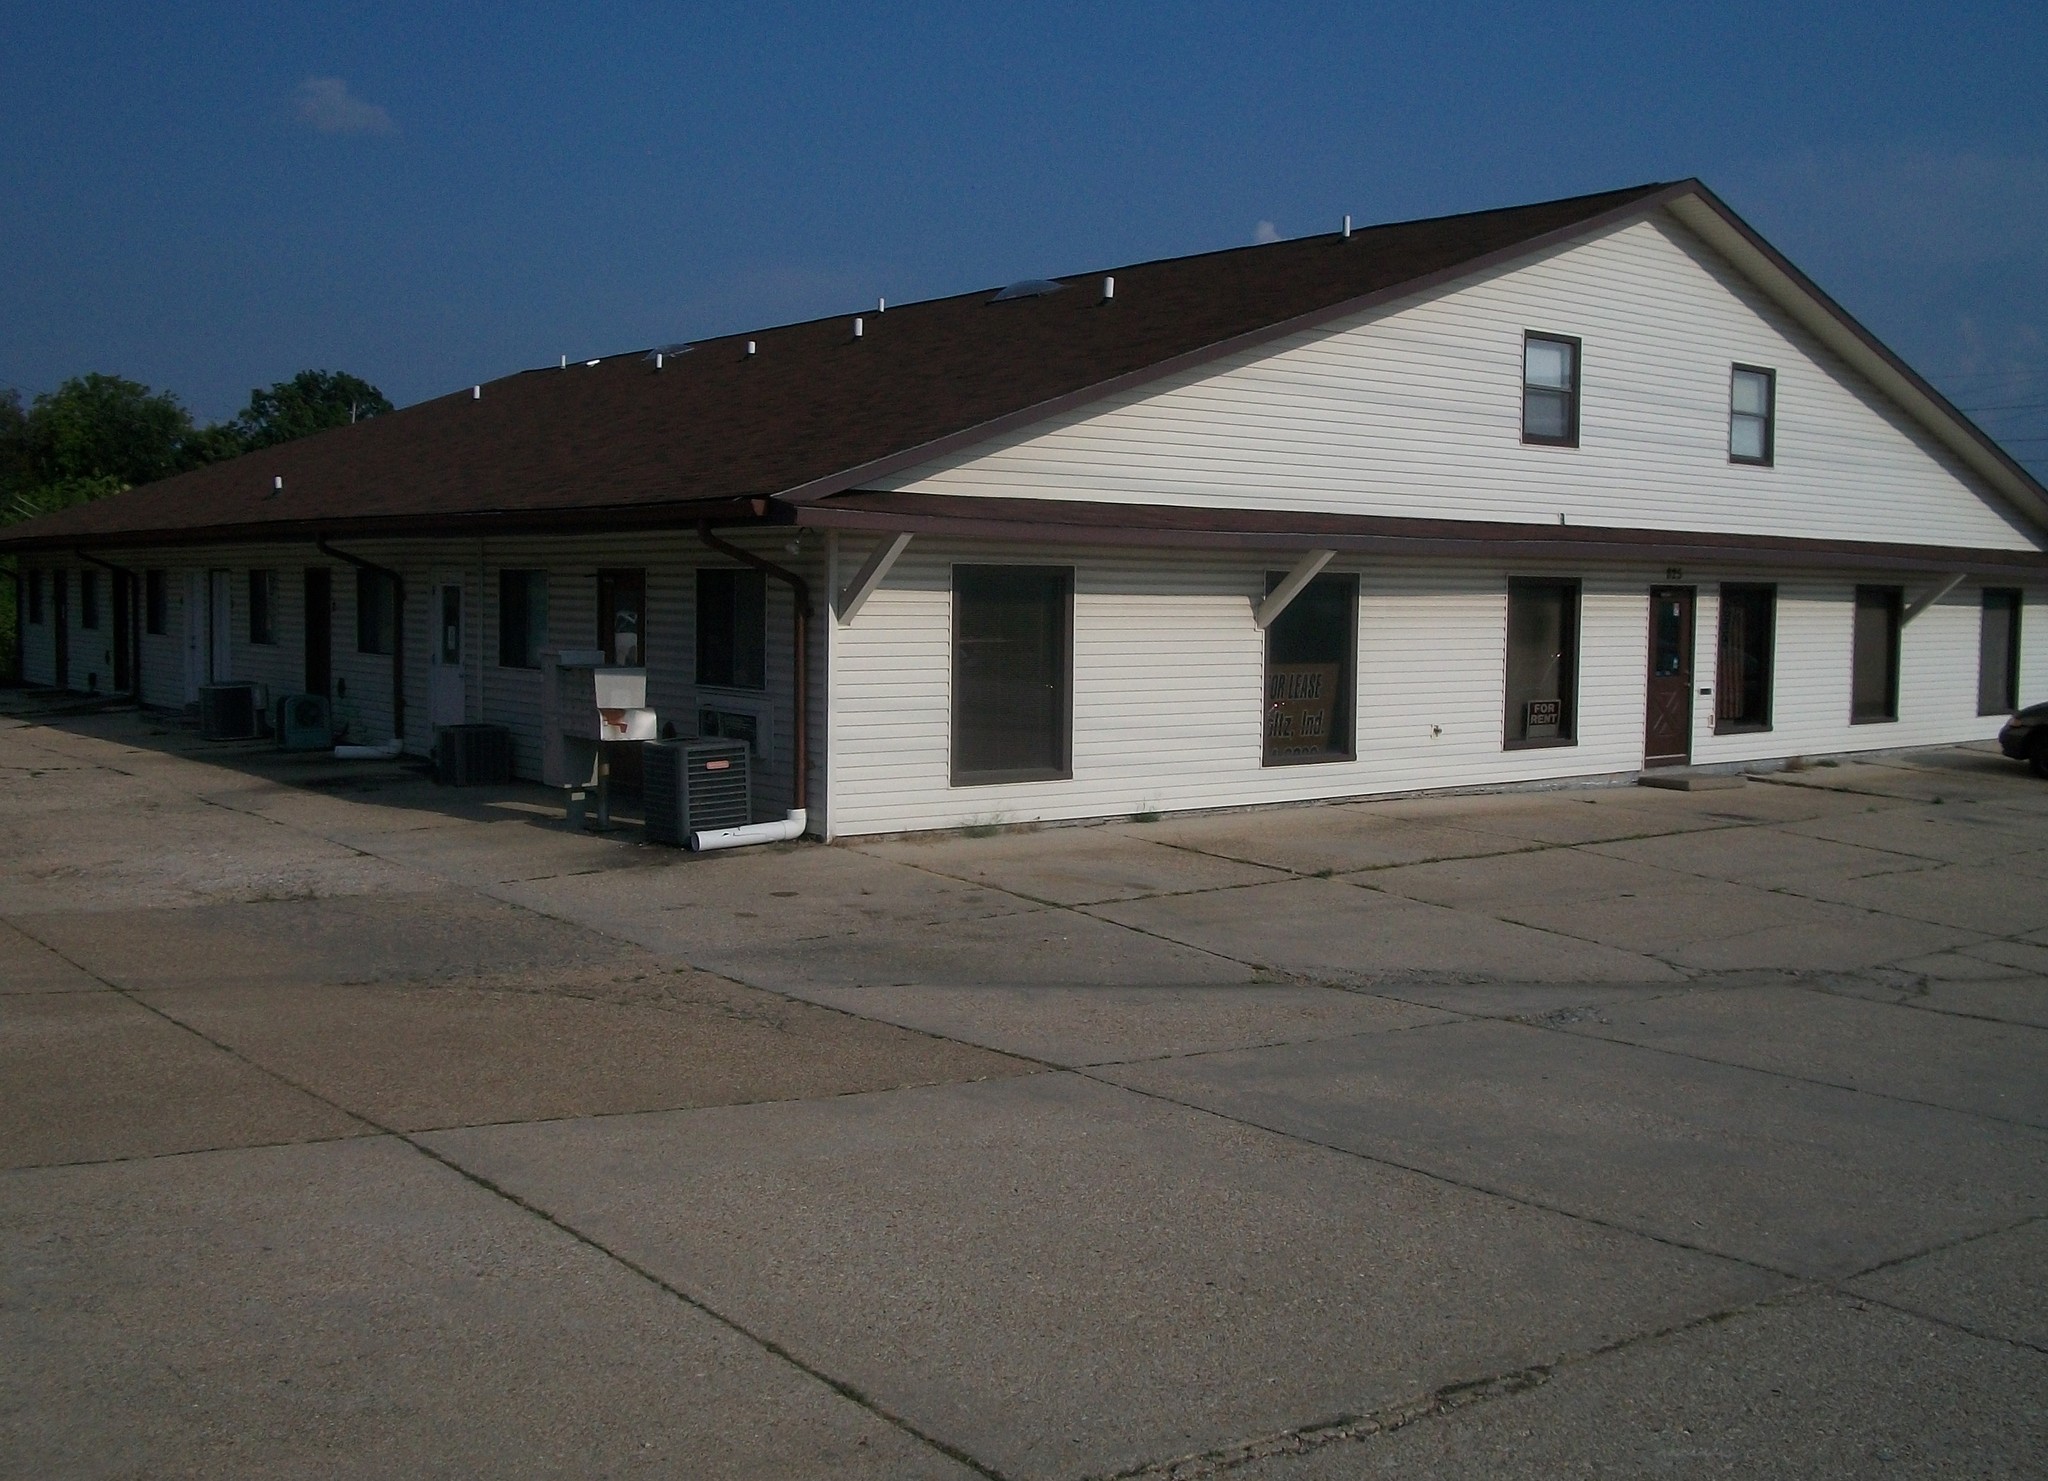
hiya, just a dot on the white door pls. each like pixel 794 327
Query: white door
pixel 447 700
pixel 219 646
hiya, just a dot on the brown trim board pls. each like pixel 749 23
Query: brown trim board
pixel 1170 527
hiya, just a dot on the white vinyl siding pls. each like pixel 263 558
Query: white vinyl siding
pixel 1414 409
pixel 1168 694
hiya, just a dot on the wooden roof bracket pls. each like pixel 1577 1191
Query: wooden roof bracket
pixel 1932 597
pixel 1265 613
pixel 854 595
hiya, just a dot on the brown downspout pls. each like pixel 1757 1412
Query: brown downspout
pixel 802 592
pixel 122 573
pixel 397 630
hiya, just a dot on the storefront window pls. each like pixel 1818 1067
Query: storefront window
pixel 1311 658
pixel 1013 673
pixel 1742 683
pixel 1543 663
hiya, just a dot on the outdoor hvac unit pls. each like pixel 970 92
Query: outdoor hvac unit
pixel 227 711
pixel 472 755
pixel 693 786
pixel 305 722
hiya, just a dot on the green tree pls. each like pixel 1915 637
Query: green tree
pixel 311 401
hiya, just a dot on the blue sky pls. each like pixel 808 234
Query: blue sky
pixel 209 197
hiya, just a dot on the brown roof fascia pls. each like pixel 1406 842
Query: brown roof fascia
pixel 1175 527
pixel 684 515
pixel 1855 327
pixel 840 482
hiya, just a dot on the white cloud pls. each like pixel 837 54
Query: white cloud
pixel 327 105
pixel 1267 232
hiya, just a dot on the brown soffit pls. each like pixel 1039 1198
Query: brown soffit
pixel 1171 527
pixel 910 457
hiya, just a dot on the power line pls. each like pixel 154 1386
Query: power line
pixel 2009 406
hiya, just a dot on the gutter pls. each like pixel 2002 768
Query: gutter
pixel 793 825
pixel 397 629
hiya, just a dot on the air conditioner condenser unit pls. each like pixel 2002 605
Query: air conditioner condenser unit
pixel 305 722
pixel 693 786
pixel 227 712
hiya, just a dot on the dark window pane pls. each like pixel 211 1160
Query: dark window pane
pixel 262 603
pixel 1309 672
pixel 1543 656
pixel 35 596
pixel 154 605
pixel 1875 666
pixel 1998 653
pixel 89 599
pixel 522 618
pixel 1742 689
pixel 376 611
pixel 732 628
pixel 1012 672
pixel 621 617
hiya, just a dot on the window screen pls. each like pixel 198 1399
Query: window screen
pixel 1012 672
pixel 376 611
pixel 1543 663
pixel 1310 662
pixel 732 628
pixel 1752 398
pixel 1550 389
pixel 522 618
pixel 1874 692
pixel 1998 653
pixel 262 606
pixel 1742 682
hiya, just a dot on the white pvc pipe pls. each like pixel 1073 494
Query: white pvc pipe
pixel 782 832
pixel 387 752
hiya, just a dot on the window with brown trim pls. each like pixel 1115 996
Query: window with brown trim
pixel 1742 678
pixel 1752 414
pixel 1013 673
pixel 732 628
pixel 1550 389
pixel 1998 651
pixel 522 618
pixel 1311 666
pixel 1874 674
pixel 1542 664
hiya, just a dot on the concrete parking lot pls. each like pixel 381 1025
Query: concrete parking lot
pixel 353 1126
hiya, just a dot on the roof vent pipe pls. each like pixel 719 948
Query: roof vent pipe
pixel 565 362
pixel 277 484
pixel 1108 289
pixel 476 393
pixel 1347 228
pixel 881 305
pixel 857 329
pixel 750 347
pixel 657 359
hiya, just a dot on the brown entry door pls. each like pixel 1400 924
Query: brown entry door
pixel 1667 726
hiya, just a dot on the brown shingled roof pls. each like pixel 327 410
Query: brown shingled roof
pixel 620 443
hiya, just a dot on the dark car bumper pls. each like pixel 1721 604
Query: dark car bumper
pixel 2016 738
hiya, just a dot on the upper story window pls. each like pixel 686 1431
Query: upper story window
pixel 1550 389
pixel 1752 409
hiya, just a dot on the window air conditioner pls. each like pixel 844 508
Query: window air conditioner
pixel 305 722
pixel 227 711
